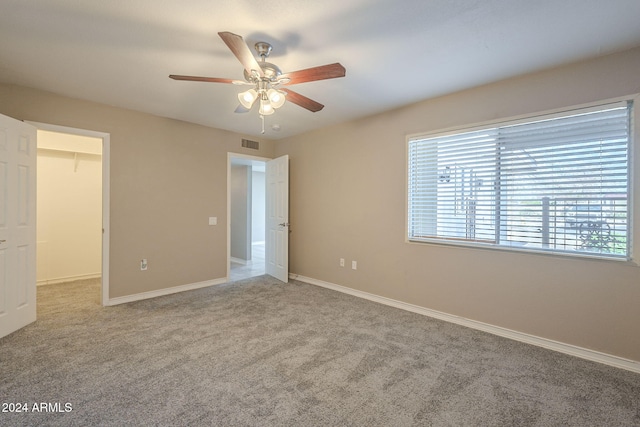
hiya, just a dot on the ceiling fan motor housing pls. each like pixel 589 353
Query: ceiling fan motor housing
pixel 271 72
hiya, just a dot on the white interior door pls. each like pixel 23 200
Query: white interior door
pixel 18 152
pixel 277 224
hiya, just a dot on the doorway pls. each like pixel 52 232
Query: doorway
pixel 247 213
pixel 73 205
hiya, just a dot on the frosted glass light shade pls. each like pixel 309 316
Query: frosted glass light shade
pixel 265 108
pixel 248 98
pixel 276 98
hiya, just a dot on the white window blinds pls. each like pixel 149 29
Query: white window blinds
pixel 554 183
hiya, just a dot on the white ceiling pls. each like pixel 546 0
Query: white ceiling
pixel 396 52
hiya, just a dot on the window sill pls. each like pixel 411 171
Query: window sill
pixel 630 262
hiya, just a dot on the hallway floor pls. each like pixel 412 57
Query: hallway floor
pixel 254 267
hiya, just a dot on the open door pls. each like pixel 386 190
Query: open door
pixel 18 152
pixel 277 223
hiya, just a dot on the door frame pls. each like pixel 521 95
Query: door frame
pixel 106 151
pixel 230 157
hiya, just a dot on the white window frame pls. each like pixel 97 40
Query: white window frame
pixel 633 213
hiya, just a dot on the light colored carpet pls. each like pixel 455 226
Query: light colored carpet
pixel 262 353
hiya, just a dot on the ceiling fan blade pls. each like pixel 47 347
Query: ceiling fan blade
pixel 323 72
pixel 201 79
pixel 240 49
pixel 241 109
pixel 302 101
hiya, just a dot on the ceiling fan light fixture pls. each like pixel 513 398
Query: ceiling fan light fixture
pixel 265 78
pixel 248 97
pixel 276 98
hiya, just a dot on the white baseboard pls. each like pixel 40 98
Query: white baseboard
pixel 44 282
pixel 569 349
pixel 239 261
pixel 163 292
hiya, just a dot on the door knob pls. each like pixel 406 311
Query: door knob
pixel 284 224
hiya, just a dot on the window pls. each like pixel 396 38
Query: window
pixel 556 183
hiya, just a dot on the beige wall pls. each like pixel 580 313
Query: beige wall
pixel 258 206
pixel 167 178
pixel 69 207
pixel 347 197
pixel 240 200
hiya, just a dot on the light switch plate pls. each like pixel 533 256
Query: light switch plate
pixel 213 220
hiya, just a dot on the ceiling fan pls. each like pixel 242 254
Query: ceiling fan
pixel 266 78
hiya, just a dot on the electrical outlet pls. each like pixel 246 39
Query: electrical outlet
pixel 354 265
pixel 341 262
pixel 143 264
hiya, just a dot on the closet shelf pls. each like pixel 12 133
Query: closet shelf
pixel 76 158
